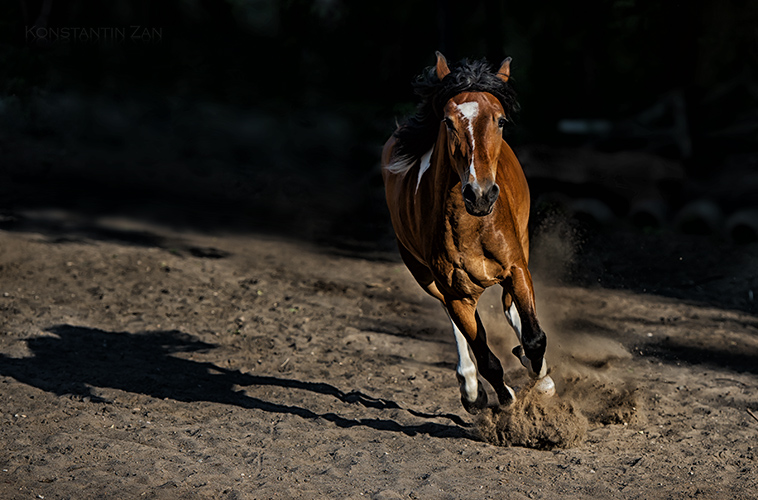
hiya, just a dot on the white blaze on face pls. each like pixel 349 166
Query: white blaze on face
pixel 469 112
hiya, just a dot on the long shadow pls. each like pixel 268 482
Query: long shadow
pixel 78 358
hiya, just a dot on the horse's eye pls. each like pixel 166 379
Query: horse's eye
pixel 501 122
pixel 448 123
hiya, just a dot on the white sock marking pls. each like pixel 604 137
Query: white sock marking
pixel 466 368
pixel 514 319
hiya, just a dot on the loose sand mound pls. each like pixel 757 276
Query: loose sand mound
pixel 536 421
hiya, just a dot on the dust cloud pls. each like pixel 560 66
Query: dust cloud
pixel 534 421
pixel 587 400
pixel 586 362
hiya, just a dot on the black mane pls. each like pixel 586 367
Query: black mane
pixel 419 132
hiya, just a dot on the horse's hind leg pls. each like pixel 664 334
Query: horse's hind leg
pixel 473 397
pixel 520 312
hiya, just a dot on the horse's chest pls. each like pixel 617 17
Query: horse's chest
pixel 468 270
pixel 470 279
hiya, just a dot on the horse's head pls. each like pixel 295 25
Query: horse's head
pixel 473 123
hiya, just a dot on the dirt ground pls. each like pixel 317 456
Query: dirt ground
pixel 137 361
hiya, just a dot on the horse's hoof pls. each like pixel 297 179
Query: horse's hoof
pixel 545 386
pixel 518 351
pixel 506 397
pixel 477 406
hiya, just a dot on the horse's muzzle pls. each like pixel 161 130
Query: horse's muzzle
pixel 480 201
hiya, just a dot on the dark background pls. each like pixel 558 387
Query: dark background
pixel 269 116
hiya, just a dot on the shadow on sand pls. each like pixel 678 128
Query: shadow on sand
pixel 77 358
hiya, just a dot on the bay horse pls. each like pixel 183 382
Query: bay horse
pixel 459 204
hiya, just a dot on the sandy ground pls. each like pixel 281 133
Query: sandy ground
pixel 141 362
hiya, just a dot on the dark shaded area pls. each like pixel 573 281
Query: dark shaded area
pixel 698 269
pixel 737 360
pixel 269 116
pixel 145 364
pixel 66 230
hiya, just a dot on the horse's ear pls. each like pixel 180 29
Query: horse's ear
pixel 442 69
pixel 504 73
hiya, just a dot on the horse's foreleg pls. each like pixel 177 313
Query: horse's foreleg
pixel 473 396
pixel 519 308
pixel 467 322
pixel 511 313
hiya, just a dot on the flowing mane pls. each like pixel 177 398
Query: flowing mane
pixel 419 132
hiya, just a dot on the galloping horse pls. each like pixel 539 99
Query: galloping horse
pixel 459 204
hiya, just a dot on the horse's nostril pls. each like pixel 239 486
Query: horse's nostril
pixel 494 192
pixel 468 194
